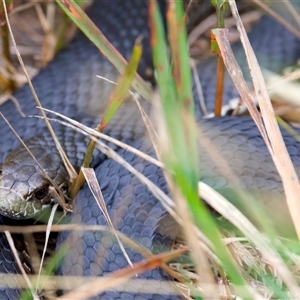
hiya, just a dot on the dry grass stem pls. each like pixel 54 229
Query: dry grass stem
pixel 211 21
pixel 276 147
pixel 92 181
pixel 281 88
pixel 277 17
pixel 293 11
pixel 48 231
pixel 148 124
pixel 262 257
pixel 47 24
pixel 165 200
pixel 198 88
pixel 99 285
pixel 69 167
pixel 231 213
pixel 32 249
pixel 35 160
pixel 205 276
pixel 72 282
pixel 90 131
pixel 14 250
pixel 205 280
pixel 7 95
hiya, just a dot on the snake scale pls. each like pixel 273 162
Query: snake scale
pixel 69 85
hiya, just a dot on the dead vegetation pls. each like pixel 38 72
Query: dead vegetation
pixel 259 259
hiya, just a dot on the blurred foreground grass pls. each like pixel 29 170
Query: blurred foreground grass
pixel 227 261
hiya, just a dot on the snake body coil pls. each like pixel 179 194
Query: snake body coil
pixel 65 85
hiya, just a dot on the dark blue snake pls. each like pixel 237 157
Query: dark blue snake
pixel 69 85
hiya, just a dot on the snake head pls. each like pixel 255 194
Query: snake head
pixel 24 187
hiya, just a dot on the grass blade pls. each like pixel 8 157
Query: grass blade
pixel 180 155
pixel 78 16
pixel 123 85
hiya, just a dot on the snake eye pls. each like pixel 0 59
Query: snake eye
pixel 41 193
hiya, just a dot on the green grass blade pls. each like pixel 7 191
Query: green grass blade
pixel 182 161
pixel 121 90
pixel 83 22
pixel 180 57
pixel 49 269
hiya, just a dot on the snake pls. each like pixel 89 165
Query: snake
pixel 69 85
